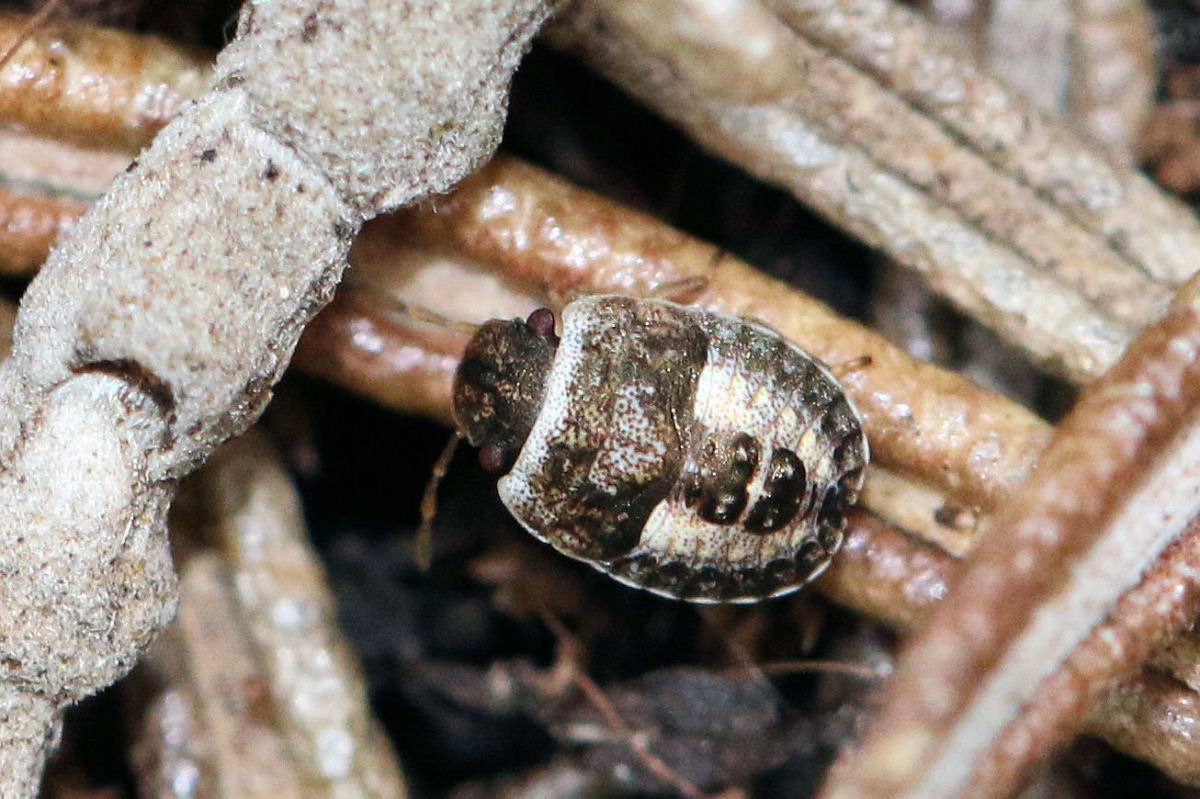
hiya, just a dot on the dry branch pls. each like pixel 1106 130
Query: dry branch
pixel 29 226
pixel 283 711
pixel 532 229
pixel 77 102
pixel 1092 61
pixel 1071 590
pixel 42 167
pixel 94 86
pixel 1155 719
pixel 361 344
pixel 166 316
pixel 889 576
pixel 1005 212
pixel 1168 140
pixel 886 574
pixel 928 422
pixel 1112 72
pixel 1144 225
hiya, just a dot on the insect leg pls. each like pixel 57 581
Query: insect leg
pixel 423 546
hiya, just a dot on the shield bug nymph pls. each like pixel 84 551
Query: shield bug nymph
pixel 695 455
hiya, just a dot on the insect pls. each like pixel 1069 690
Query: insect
pixel 695 455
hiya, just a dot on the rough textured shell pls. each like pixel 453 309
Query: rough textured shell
pixel 695 455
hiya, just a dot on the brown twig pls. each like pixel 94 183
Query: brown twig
pixel 885 574
pixel 81 83
pixel 283 711
pixel 917 153
pixel 1154 718
pixel 928 422
pixel 1111 90
pixel 95 86
pixel 1028 621
pixel 889 576
pixel 1169 141
pixel 921 510
pixel 31 25
pixel 400 363
pixel 29 226
pixel 858 670
pixel 45 167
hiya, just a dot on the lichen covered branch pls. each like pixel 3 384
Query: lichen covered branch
pixel 166 316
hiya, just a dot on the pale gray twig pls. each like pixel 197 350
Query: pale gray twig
pixel 158 327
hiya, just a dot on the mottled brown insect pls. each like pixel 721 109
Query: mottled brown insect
pixel 695 455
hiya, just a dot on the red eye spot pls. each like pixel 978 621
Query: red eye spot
pixel 541 322
pixel 492 458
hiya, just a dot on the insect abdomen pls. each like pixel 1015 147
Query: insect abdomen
pixel 695 455
pixel 776 452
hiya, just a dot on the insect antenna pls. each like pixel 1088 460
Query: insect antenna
pixel 384 300
pixel 423 546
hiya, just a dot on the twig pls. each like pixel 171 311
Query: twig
pixel 1154 718
pixel 37 166
pixel 163 320
pixel 29 226
pixel 247 753
pixel 95 86
pixel 30 27
pixel 888 576
pixel 357 343
pixel 1112 72
pixel 285 618
pixel 637 741
pixel 929 423
pixel 1006 672
pixel 1145 226
pixel 1048 254
pixel 823 667
pixel 885 574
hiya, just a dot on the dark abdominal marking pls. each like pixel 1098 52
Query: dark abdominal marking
pixel 717 486
pixel 783 493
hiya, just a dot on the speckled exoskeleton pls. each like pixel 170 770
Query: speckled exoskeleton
pixel 691 454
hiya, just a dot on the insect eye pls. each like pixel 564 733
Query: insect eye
pixel 493 458
pixel 541 322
